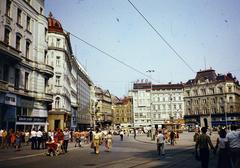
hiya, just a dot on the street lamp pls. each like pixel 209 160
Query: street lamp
pixel 151 117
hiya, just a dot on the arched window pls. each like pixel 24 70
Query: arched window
pixel 57 102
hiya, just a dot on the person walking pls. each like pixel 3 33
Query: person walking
pixel 172 137
pixel 223 154
pixel 160 143
pixel 39 138
pixel 33 137
pixel 134 133
pixel 18 140
pixel 4 138
pixel 66 139
pixel 203 142
pixel 77 138
pixel 108 141
pixel 234 143
pixel 121 135
pixel 97 140
pixel 44 139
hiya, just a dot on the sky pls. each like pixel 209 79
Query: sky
pixel 205 33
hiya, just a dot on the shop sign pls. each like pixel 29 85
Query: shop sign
pixel 10 99
pixel 31 119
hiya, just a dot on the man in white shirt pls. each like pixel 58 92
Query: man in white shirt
pixel 66 134
pixel 39 138
pixel 160 143
pixel 33 137
pixel 234 143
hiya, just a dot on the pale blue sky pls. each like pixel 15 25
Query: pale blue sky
pixel 195 28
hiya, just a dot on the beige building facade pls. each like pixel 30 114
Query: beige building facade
pixel 212 100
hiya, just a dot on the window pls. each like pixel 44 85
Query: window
pixel 26 81
pixel 58 80
pixel 195 93
pixel 7 36
pixel 229 89
pixel 19 16
pixel 231 109
pixel 58 42
pixel 17 77
pixel 203 91
pixel 27 52
pixel 41 10
pixel 28 23
pixel 45 57
pixel 46 85
pixel 58 61
pixel 5 72
pixel 8 8
pixel 18 44
pixel 220 90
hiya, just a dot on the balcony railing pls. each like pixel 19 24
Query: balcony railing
pixel 47 69
pixel 45 97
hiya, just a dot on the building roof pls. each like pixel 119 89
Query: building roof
pixel 209 75
pixel 157 86
pixel 54 26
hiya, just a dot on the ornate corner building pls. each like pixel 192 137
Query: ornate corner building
pixel 212 100
pixel 24 70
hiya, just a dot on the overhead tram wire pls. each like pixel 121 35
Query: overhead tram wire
pixel 168 44
pixel 109 55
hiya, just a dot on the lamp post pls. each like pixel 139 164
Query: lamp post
pixel 151 116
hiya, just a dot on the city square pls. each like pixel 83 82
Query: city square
pixel 130 83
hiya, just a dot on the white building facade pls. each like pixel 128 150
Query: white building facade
pixel 156 105
pixel 24 72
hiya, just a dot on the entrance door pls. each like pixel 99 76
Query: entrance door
pixel 56 124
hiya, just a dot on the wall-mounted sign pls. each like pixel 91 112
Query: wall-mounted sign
pixel 31 119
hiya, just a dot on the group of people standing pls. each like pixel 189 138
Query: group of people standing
pixel 228 147
pixel 13 139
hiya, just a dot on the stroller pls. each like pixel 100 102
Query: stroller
pixel 53 148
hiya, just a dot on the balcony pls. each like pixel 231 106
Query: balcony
pixel 43 97
pixel 3 85
pixel 46 69
pixel 9 52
